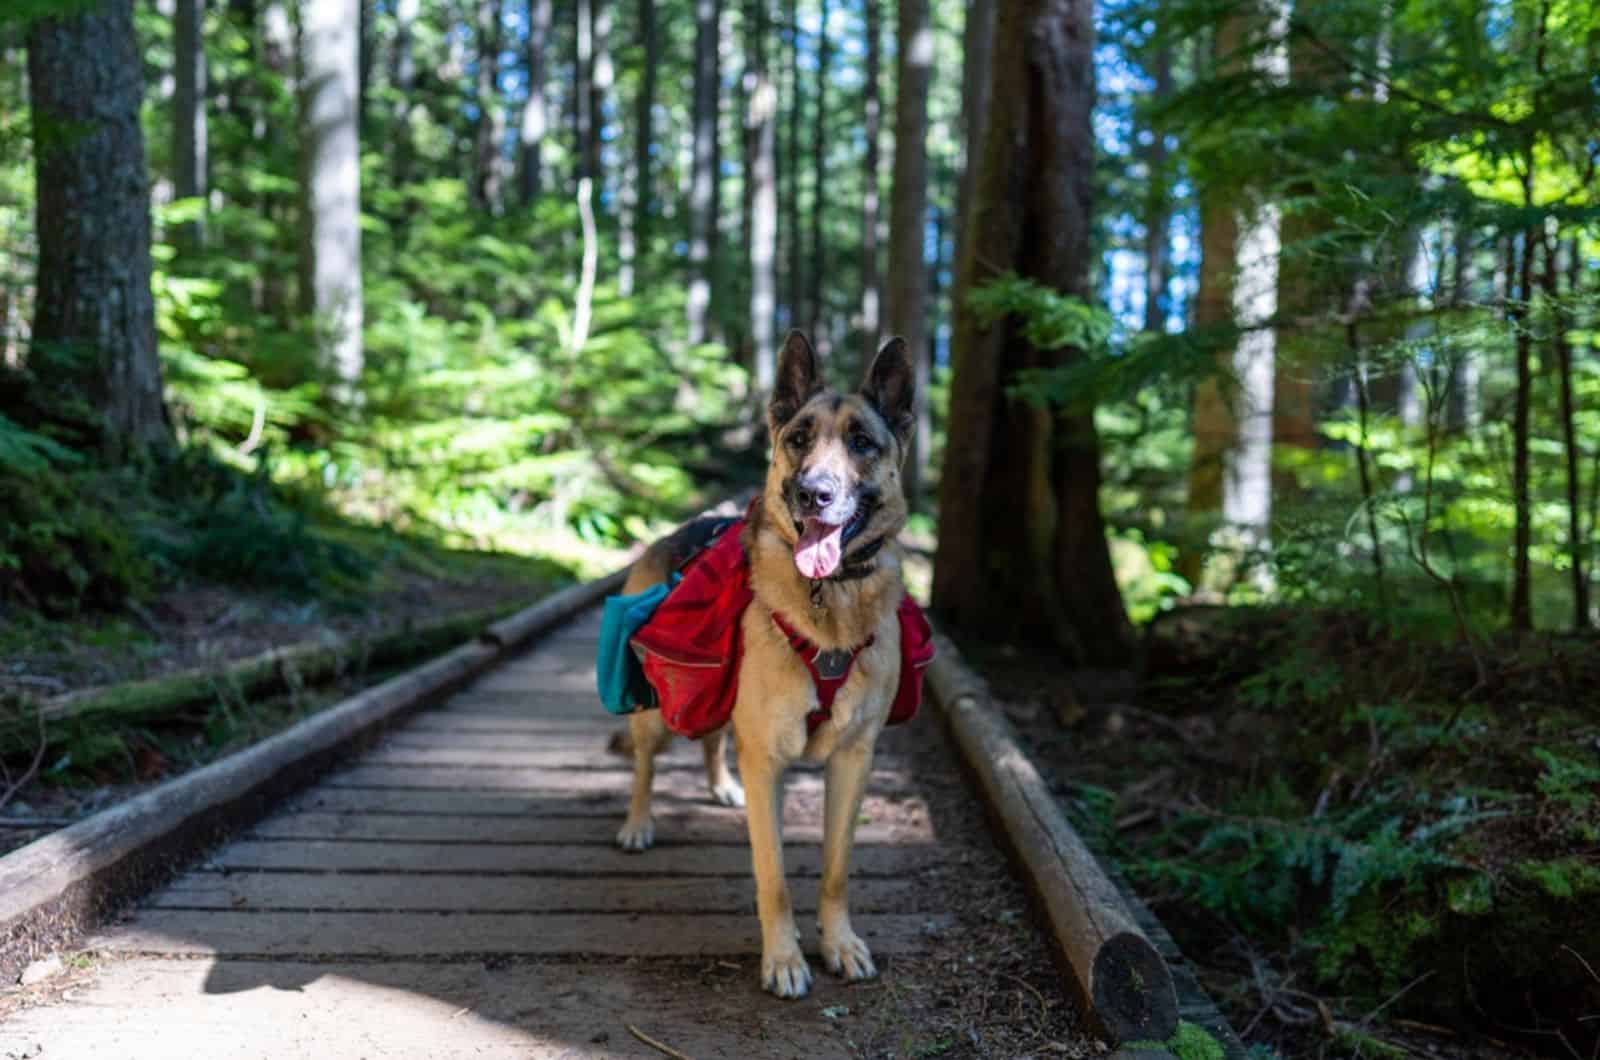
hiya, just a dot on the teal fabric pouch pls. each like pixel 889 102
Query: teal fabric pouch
pixel 623 688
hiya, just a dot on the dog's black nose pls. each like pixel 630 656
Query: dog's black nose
pixel 815 495
pixel 814 499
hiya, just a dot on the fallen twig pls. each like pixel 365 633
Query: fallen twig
pixel 28 774
pixel 660 1047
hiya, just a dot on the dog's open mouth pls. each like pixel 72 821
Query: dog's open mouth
pixel 820 549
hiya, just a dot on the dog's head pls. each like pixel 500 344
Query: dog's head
pixel 837 458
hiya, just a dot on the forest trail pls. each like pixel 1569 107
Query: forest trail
pixel 454 892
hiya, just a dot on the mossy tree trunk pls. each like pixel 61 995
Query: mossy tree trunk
pixel 93 219
pixel 1022 544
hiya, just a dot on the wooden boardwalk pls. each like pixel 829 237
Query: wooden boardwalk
pixel 454 892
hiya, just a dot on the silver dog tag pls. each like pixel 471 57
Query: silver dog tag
pixel 832 665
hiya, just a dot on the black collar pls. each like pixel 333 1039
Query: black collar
pixel 859 565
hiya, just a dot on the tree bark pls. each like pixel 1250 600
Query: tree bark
pixel 1563 323
pixel 703 182
pixel 535 117
pixel 584 118
pixel 1231 473
pixel 403 76
pixel 600 85
pixel 762 131
pixel 1022 547
pixel 92 216
pixel 1158 208
pixel 815 315
pixel 908 270
pixel 644 200
pixel 872 128
pixel 977 56
pixel 331 187
pixel 1522 573
pixel 490 129
pixel 189 111
pixel 794 282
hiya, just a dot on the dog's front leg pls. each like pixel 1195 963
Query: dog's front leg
pixel 784 970
pixel 843 951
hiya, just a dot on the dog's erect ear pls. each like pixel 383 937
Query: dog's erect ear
pixel 890 388
pixel 797 381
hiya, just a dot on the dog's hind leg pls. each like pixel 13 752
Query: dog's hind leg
pixel 843 951
pixel 649 737
pixel 725 791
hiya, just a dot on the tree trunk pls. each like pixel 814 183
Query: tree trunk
pixel 1462 410
pixel 815 314
pixel 600 84
pixel 331 182
pixel 1306 290
pixel 189 111
pixel 1158 208
pixel 584 118
pixel 1232 461
pixel 1522 574
pixel 908 271
pixel 762 127
pixel 403 75
pixel 1562 326
pixel 1022 545
pixel 794 282
pixel 977 56
pixel 92 216
pixel 490 130
pixel 872 125
pixel 703 185
pixel 535 118
pixel 644 133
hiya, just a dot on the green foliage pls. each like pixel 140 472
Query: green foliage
pixel 1188 1042
pixel 63 547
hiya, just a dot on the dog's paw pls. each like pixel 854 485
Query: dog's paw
pixel 728 793
pixel 845 954
pixel 637 836
pixel 785 974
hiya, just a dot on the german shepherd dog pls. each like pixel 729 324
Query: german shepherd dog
pixel 821 547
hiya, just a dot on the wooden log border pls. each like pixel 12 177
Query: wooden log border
pixel 1116 973
pixel 64 884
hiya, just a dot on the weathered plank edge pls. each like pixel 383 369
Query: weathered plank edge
pixel 1115 971
pixel 60 886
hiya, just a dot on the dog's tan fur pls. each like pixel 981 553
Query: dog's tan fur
pixel 775 692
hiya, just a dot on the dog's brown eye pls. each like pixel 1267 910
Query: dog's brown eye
pixel 861 443
pixel 797 440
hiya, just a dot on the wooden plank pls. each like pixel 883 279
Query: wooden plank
pixel 582 737
pixel 511 680
pixel 678 827
pixel 574 782
pixel 274 891
pixel 588 755
pixel 415 935
pixel 528 703
pixel 599 724
pixel 500 805
pixel 538 860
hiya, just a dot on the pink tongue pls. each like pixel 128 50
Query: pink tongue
pixel 817 551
